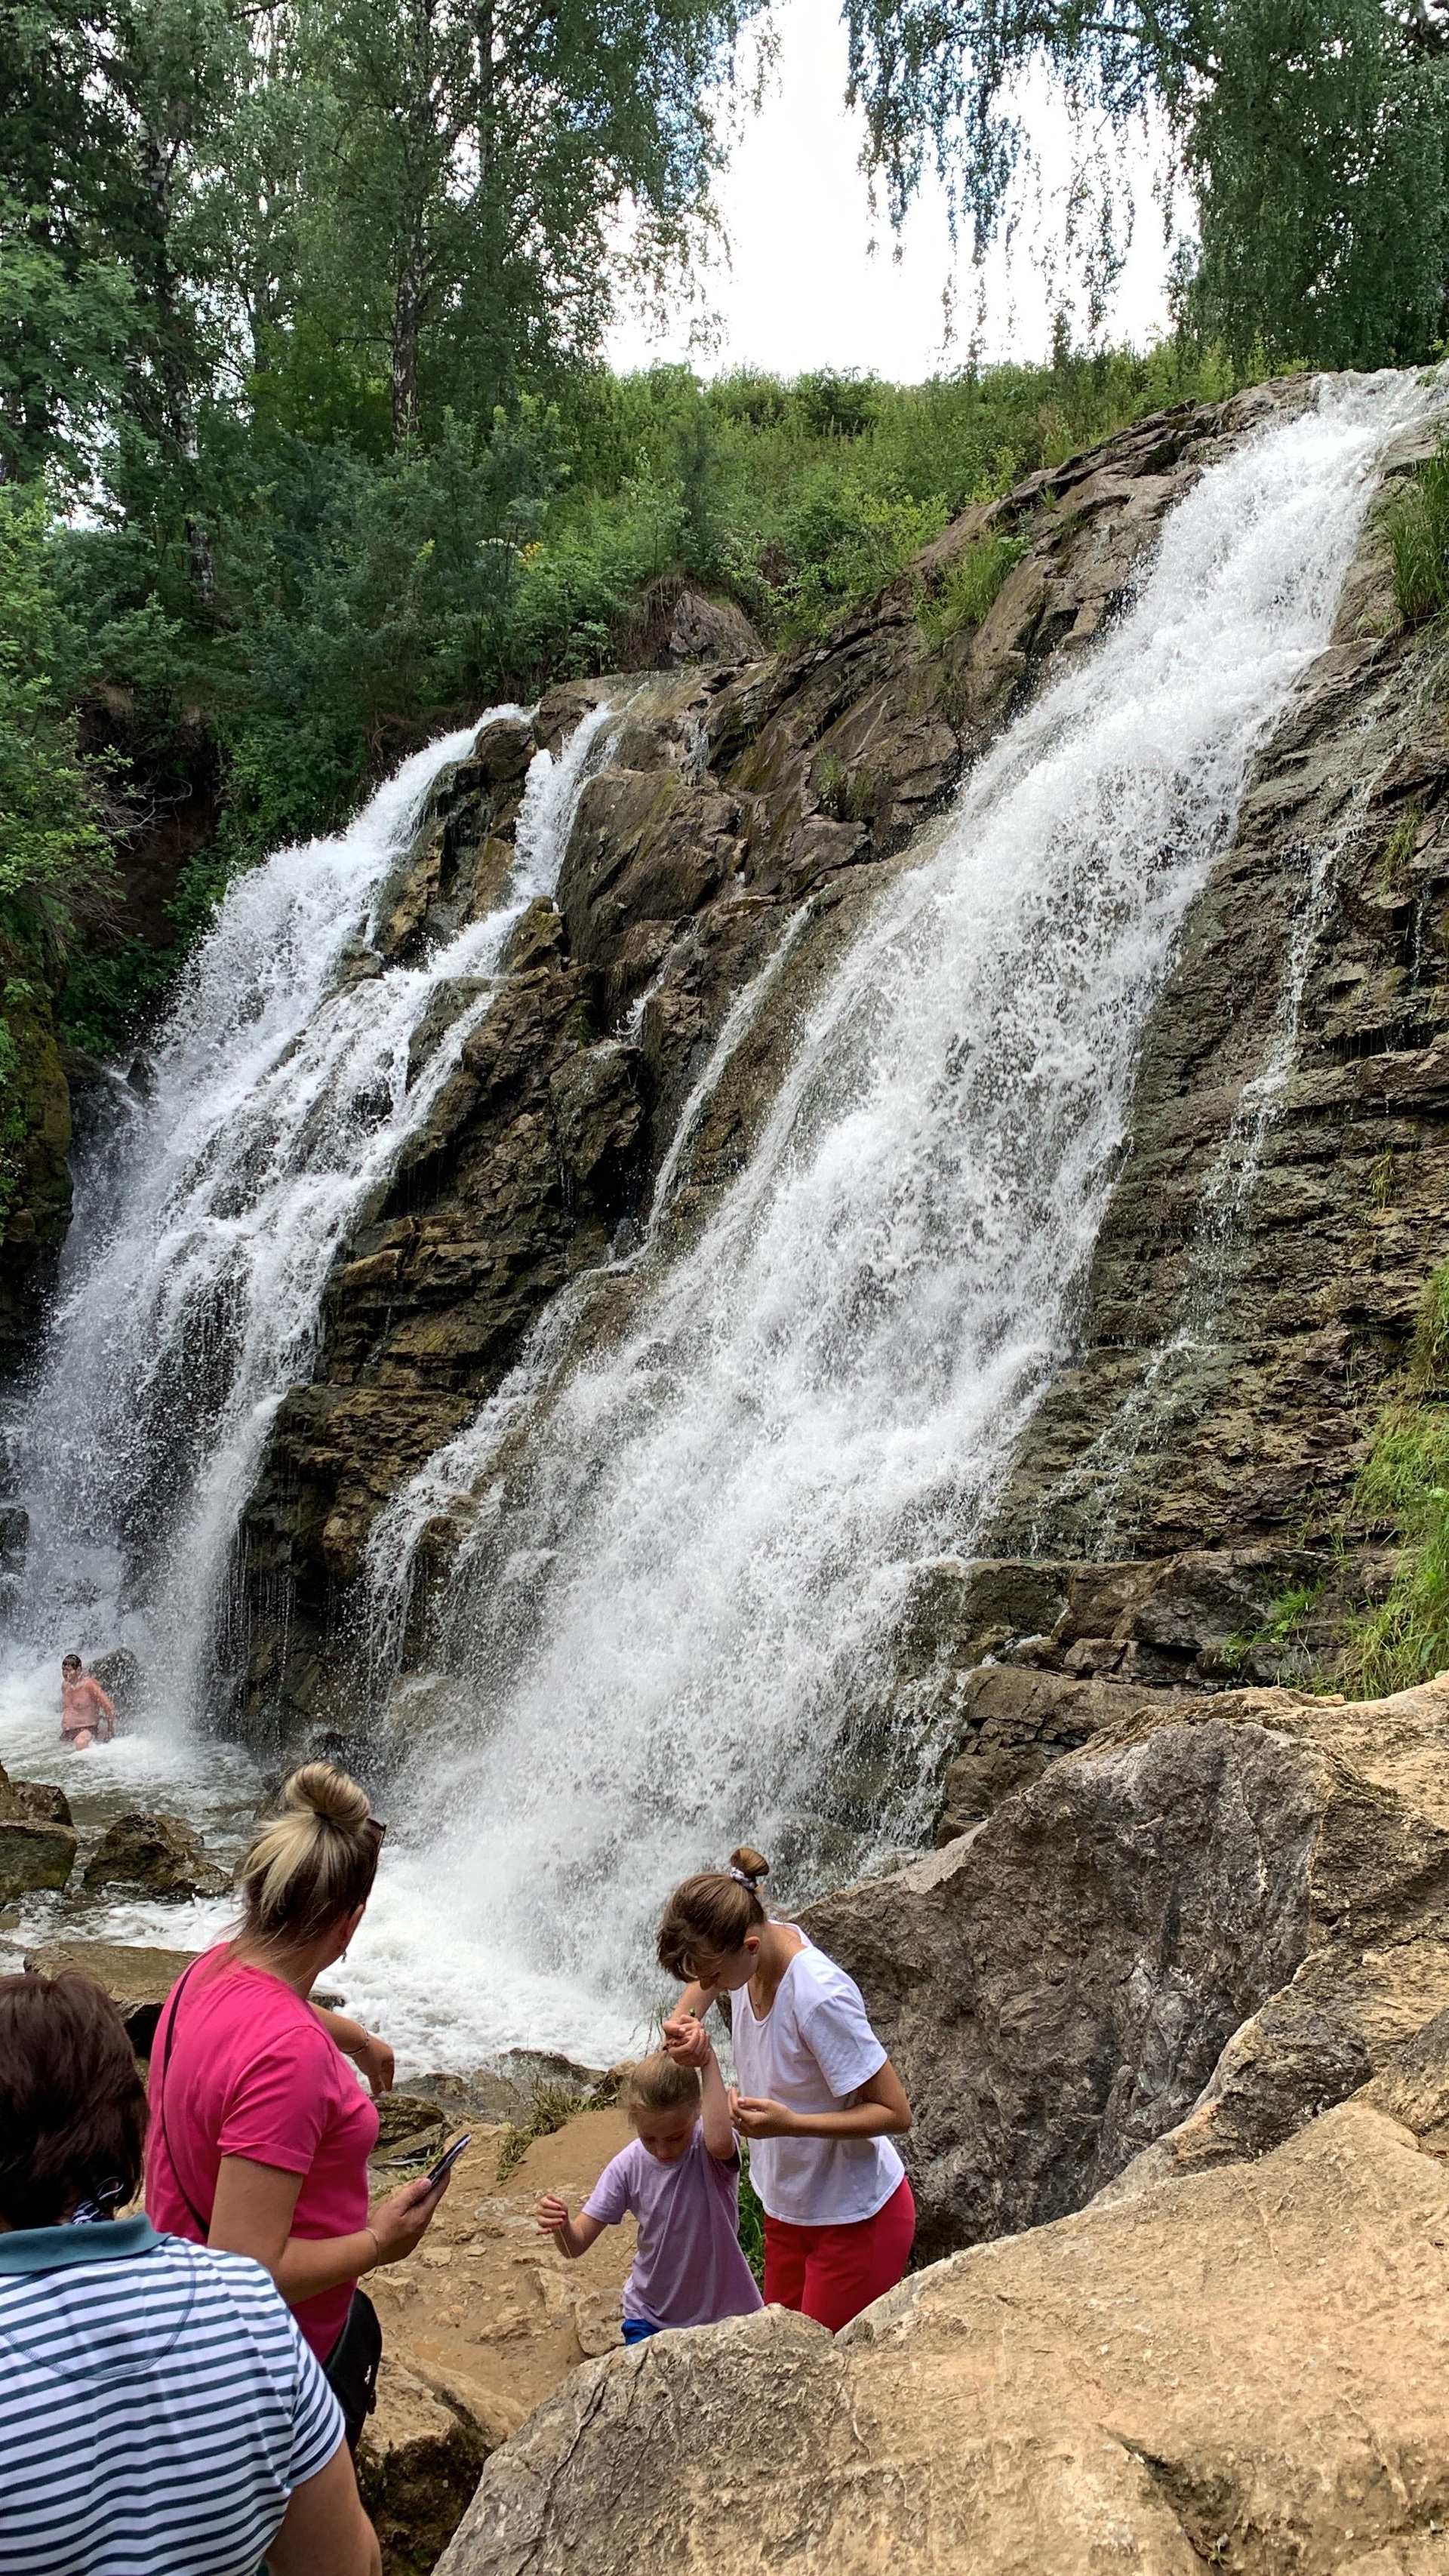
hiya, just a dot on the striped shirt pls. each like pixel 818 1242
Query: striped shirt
pixel 157 2406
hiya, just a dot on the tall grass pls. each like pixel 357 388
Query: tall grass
pixel 1418 525
pixel 1405 1485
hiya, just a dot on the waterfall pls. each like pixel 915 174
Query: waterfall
pixel 280 1095
pixel 673 1628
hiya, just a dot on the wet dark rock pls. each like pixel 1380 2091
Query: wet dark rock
pixel 156 1856
pixel 40 1800
pixel 35 1854
pixel 119 1674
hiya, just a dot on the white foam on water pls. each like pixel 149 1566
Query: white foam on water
pixel 652 1644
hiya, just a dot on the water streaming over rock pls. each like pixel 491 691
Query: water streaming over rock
pixel 673 1624
pixel 283 1087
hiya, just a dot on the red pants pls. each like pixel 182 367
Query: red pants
pixel 831 2273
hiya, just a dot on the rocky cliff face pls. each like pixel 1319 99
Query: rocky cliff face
pixel 741 813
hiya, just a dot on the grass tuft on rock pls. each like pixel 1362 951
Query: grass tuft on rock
pixel 1418 526
pixel 1405 1484
pixel 552 2106
pixel 969 589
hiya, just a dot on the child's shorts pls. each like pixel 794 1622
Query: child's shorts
pixel 831 2273
pixel 636 2329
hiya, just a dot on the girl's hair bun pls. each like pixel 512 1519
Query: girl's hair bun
pixel 749 1863
pixel 324 1791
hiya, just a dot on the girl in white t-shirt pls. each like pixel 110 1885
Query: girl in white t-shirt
pixel 818 2098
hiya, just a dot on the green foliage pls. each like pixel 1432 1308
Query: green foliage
pixel 52 838
pixel 752 2219
pixel 1418 526
pixel 971 584
pixel 1314 135
pixel 1404 1485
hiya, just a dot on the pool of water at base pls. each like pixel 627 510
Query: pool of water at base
pixel 445 2002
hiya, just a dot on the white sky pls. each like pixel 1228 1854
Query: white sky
pixel 803 288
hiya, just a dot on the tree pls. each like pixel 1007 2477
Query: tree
pixel 470 159
pixel 1314 133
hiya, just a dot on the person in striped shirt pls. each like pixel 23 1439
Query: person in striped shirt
pixel 159 2410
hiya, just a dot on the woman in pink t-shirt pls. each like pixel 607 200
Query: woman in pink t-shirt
pixel 260 2132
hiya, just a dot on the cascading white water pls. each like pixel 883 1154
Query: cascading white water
pixel 663 1619
pixel 193 1285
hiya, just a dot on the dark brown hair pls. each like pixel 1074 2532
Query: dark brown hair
pixel 712 1912
pixel 660 2083
pixel 72 2104
pixel 314 1862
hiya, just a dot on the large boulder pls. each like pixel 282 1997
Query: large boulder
pixel 1243 2369
pixel 1189 1937
pixel 35 1854
pixel 137 1981
pixel 40 1800
pixel 156 1856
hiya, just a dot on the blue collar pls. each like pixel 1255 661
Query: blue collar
pixel 50 2249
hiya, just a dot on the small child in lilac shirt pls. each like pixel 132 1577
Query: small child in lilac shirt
pixel 680 2178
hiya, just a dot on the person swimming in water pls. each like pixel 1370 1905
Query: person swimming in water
pixel 87 1714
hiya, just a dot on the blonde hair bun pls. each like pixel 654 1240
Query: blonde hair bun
pixel 322 1790
pixel 313 1863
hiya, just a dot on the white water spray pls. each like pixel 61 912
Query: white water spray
pixel 677 1611
pixel 192 1296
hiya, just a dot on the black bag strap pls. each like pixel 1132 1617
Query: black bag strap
pixel 177 1991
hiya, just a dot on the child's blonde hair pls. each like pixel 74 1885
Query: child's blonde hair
pixel 660 2083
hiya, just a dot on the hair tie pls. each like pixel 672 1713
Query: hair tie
pixel 745 1879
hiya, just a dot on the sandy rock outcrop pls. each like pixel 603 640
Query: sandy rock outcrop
pixel 138 1981
pixel 1179 1944
pixel 1246 2369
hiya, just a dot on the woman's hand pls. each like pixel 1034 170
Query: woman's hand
pixel 755 2117
pixel 402 2221
pixel 374 2059
pixel 687 2040
pixel 553 2216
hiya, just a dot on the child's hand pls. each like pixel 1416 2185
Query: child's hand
pixel 687 2040
pixel 553 2216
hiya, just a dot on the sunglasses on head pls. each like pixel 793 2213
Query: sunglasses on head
pixel 377 1827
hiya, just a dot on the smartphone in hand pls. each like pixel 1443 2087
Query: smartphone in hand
pixel 446 2162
